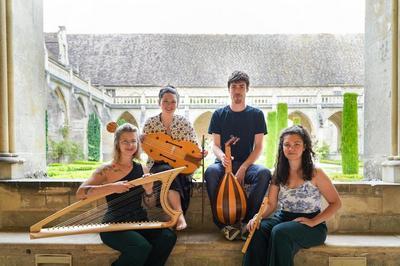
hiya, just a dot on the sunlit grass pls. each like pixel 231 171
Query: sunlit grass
pixel 75 170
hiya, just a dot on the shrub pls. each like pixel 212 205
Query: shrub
pixel 281 118
pixel 93 136
pixel 322 151
pixel 65 151
pixel 271 140
pixel 349 146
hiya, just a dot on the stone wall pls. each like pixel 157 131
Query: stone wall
pixel 367 207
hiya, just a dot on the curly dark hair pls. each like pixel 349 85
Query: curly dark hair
pixel 237 76
pixel 281 173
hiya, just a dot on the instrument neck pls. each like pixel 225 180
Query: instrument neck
pixel 228 155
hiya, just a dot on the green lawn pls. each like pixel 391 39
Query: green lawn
pixel 84 169
pixel 78 169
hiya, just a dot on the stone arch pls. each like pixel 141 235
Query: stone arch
pixel 128 117
pixel 81 104
pixel 304 121
pixel 201 124
pixel 336 120
pixel 62 104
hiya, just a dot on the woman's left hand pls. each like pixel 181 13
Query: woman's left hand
pixel 204 153
pixel 306 221
pixel 149 186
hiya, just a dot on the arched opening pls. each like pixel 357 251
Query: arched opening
pixel 300 118
pixel 201 125
pixel 334 131
pixel 128 117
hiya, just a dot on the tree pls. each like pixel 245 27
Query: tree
pixel 281 118
pixel 349 134
pixel 93 136
pixel 271 140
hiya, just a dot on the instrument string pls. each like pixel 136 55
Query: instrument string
pixel 108 211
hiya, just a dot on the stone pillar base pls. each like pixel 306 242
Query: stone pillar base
pixel 391 170
pixel 9 164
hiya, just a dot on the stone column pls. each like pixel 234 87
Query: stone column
pixel 378 76
pixel 22 81
pixel 4 145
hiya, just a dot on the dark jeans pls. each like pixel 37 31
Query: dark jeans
pixel 256 175
pixel 279 238
pixel 150 247
pixel 182 183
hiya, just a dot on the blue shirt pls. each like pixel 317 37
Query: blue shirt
pixel 244 124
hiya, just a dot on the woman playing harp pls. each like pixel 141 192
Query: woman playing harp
pixel 137 247
pixel 179 128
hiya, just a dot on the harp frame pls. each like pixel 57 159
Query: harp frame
pixel 38 231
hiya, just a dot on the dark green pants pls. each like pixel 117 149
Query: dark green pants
pixel 279 239
pixel 150 247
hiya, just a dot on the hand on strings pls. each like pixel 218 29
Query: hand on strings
pixel 121 186
pixel 148 187
pixel 306 221
pixel 204 153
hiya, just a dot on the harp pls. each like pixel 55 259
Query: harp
pixel 91 220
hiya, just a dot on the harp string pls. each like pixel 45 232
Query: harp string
pixel 108 211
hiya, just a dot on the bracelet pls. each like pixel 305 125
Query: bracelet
pixel 148 195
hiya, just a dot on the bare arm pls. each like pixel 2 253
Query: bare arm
pixel 149 195
pixel 258 145
pixel 330 194
pixel 217 149
pixel 97 184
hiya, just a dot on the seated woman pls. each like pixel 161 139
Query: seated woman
pixel 179 128
pixel 298 186
pixel 137 247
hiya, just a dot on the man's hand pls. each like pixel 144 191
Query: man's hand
pixel 240 174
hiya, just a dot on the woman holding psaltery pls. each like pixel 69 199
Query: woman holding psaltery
pixel 179 128
pixel 137 247
pixel 297 185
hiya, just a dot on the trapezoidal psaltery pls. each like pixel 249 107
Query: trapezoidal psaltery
pixel 87 216
pixel 231 200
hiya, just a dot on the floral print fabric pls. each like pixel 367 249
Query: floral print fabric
pixel 303 199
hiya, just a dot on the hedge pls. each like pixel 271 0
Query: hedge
pixel 349 146
pixel 271 140
pixel 93 137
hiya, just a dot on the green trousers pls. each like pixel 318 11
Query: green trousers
pixel 150 247
pixel 279 238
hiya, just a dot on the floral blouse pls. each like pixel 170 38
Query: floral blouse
pixel 181 129
pixel 303 199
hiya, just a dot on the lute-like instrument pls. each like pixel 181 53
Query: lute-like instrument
pixel 231 200
pixel 85 217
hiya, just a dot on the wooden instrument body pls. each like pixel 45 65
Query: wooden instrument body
pixel 231 200
pixel 256 225
pixel 177 153
pixel 38 231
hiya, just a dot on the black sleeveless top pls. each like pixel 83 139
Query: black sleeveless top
pixel 127 206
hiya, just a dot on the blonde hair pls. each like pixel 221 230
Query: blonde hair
pixel 117 135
